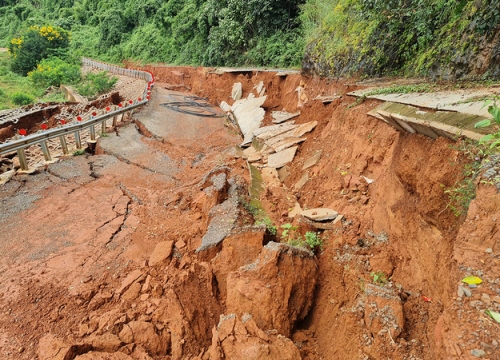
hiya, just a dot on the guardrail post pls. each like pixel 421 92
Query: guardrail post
pixel 78 141
pixel 103 127
pixel 22 159
pixel 64 146
pixel 46 152
pixel 92 133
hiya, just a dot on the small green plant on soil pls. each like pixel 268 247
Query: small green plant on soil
pixel 379 278
pixel 259 215
pixel 79 152
pixel 104 135
pixel 492 139
pixel 402 89
pixel 291 236
pixel 463 191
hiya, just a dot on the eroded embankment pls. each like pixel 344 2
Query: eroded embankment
pixel 383 286
pixel 399 225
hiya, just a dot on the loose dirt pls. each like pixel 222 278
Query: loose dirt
pixel 99 255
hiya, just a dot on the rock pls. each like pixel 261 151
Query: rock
pixel 107 342
pixel 478 353
pixel 383 311
pixel 161 253
pixel 237 91
pixel 237 250
pixel 260 89
pixel 126 334
pixel 237 339
pixel 488 250
pixel 276 290
pixel 51 348
pixel 282 116
pixel 486 299
pixel 144 334
pixel 133 292
pixel 131 278
pixel 320 214
pixel 281 158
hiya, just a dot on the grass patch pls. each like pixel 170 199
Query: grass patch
pixel 402 89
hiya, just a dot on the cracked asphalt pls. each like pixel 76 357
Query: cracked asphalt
pixel 94 215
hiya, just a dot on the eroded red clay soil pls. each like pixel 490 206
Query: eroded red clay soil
pixel 99 254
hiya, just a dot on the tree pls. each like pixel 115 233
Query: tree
pixel 35 44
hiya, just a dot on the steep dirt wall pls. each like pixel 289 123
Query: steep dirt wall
pixel 399 224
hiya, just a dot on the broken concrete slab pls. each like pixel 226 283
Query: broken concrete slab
pixel 267 132
pixel 281 158
pixel 282 116
pixel 249 115
pixel 313 160
pixel 459 101
pixel 225 106
pixel 286 143
pixel 302 181
pixel 327 99
pixel 237 91
pixel 304 129
pixel 260 89
pixel 442 123
pixel 295 211
pixel 284 172
pixel 320 214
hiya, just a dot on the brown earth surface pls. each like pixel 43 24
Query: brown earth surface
pixel 100 255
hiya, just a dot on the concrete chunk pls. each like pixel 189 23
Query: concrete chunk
pixel 320 214
pixel 313 160
pixel 249 115
pixel 282 158
pixel 237 91
pixel 267 132
pixel 286 143
pixel 282 116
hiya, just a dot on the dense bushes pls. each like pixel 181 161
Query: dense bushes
pixel 197 32
pixel 54 72
pixel 35 44
pixel 441 38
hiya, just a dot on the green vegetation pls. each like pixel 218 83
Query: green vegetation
pixel 93 85
pixel 379 278
pixel 208 32
pixel 462 192
pixel 255 209
pixel 404 37
pixel 54 72
pixel 79 152
pixel 21 99
pixel 37 43
pixel 11 83
pixel 402 89
pixel 492 139
pixel 291 236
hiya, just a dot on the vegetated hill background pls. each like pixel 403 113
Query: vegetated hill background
pixel 439 38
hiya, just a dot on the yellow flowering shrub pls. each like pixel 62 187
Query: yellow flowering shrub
pixel 37 43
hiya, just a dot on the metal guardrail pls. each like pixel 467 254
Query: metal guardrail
pixel 79 123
